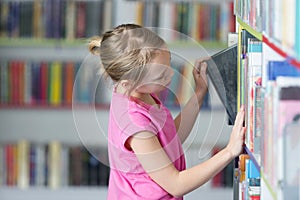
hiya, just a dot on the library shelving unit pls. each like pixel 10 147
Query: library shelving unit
pixel 268 87
pixel 50 45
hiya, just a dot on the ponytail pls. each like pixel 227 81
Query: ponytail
pixel 94 45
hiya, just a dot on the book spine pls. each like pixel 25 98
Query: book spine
pixel 4 18
pixel 2 166
pixel 38 28
pixel 80 19
pixel 69 81
pixel 4 76
pixel 55 87
pixel 70 20
pixel 23 164
pixel 54 164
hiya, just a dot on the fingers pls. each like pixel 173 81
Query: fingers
pixel 240 117
pixel 201 65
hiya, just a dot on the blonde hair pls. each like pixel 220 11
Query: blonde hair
pixel 125 50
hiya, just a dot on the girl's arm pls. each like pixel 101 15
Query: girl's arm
pixel 160 168
pixel 184 122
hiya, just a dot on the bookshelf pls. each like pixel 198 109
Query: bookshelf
pixel 41 122
pixel 268 82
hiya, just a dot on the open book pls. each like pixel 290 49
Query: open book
pixel 222 71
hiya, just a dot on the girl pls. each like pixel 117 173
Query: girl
pixel 144 141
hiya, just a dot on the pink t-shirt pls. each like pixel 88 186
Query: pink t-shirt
pixel 128 179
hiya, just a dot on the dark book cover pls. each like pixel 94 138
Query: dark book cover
pixel 222 71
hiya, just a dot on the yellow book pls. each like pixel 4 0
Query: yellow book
pixel 23 164
pixel 55 89
pixel 139 13
pixel 38 29
pixel 4 11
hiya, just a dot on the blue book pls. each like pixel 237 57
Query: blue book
pixel 281 68
pixel 13 19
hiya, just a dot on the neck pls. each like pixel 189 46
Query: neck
pixel 145 97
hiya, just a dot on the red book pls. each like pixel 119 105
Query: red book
pixel 44 81
pixel 13 82
pixel 80 19
pixel 11 165
pixel 68 82
pixel 21 85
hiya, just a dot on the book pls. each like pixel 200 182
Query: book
pixel 253 77
pixel 54 164
pixel 291 148
pixel 2 166
pixel 23 164
pixel 222 71
pixel 55 84
pixel 281 68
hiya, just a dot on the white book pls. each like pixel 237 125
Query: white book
pixel 23 164
pixel 166 21
pixel 54 164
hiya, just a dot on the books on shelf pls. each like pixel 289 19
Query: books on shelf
pixel 249 182
pixel 68 19
pixel 253 78
pixel 61 83
pixel 58 19
pixel 54 165
pixel 45 83
pixel 271 92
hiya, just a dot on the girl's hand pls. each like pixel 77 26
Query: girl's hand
pixel 200 77
pixel 237 137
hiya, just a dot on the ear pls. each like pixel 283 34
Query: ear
pixel 125 84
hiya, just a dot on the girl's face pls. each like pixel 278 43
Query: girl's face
pixel 158 74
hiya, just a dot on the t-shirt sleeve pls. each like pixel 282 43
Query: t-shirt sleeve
pixel 136 122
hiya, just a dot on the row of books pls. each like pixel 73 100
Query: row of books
pixel 250 87
pixel 47 83
pixel 270 90
pixel 250 12
pixel 24 164
pixel 54 18
pixel 281 104
pixel 76 19
pixel 278 20
pixel 59 83
pixel 202 21
pixel 249 179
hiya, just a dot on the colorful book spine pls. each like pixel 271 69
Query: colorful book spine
pixel 23 164
pixel 254 80
pixel 55 84
pixel 54 164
